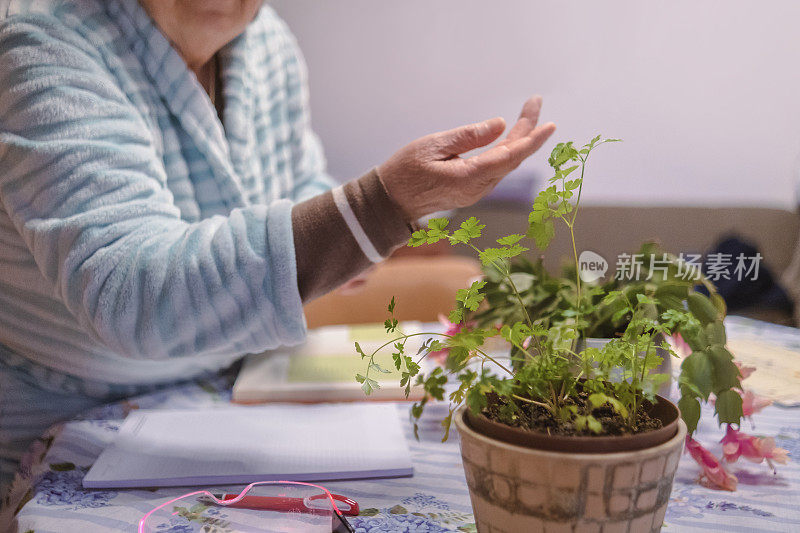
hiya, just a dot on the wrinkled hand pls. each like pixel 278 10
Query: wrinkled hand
pixel 428 175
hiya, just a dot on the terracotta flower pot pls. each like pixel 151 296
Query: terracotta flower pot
pixel 520 489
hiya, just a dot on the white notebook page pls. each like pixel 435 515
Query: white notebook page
pixel 242 444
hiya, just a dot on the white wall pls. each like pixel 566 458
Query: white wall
pixel 706 94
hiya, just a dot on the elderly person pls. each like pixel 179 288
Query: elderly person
pixel 164 206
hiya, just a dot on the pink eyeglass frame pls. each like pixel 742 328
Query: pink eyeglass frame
pixel 243 494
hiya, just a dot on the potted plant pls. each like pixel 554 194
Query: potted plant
pixel 551 299
pixel 558 434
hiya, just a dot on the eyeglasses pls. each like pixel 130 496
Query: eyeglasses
pixel 263 507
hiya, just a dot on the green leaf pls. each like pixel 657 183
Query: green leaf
pixel 457 355
pixel 412 367
pixel 591 143
pixel 562 153
pixel 456 316
pixel 690 412
pixel 418 238
pixel 728 407
pixel 514 250
pixel 436 229
pixel 379 368
pixel 617 316
pixel 726 373
pixel 597 399
pixel 391 305
pixel 359 351
pixel 436 346
pixel 438 224
pixel 698 369
pixel 715 332
pixel 588 421
pixel 470 229
pixel 612 297
pixel 702 308
pixel 360 378
pixel 369 385
pixel 417 408
pixel 476 400
pixel 471 297
pixel 491 255
pixel 510 240
pixel 594 425
pixel 542 233
pixel 566 172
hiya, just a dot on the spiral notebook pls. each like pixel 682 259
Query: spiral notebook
pixel 243 444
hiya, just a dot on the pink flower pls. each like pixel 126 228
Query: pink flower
pixel 745 371
pixel 713 475
pixel 752 403
pixel 681 346
pixel 736 444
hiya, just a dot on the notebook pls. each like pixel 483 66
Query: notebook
pixel 243 444
pixel 324 368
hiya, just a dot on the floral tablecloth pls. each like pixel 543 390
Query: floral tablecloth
pixel 435 499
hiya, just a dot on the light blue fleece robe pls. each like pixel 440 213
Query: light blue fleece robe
pixel 142 240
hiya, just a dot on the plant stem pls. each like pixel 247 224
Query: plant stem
pixel 577 267
pixel 580 189
pixel 633 411
pixel 506 273
pixel 534 402
pixel 406 337
pixel 493 360
pixel 644 363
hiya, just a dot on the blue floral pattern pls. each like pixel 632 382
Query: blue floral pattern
pixel 421 513
pixel 398 523
pixel 789 438
pixel 730 506
pixel 175 525
pixel 425 500
pixel 65 488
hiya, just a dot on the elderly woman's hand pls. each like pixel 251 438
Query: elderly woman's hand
pixel 428 175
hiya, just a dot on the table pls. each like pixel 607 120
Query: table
pixel 434 500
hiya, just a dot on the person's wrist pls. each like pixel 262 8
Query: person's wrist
pixel 396 195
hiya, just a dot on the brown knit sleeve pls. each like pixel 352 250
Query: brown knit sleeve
pixel 341 232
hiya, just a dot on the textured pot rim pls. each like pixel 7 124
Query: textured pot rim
pixel 463 428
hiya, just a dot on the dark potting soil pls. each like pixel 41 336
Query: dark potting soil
pixel 536 418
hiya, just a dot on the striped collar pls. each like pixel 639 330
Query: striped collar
pixel 186 99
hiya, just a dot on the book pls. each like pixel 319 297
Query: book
pixel 324 368
pixel 244 444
